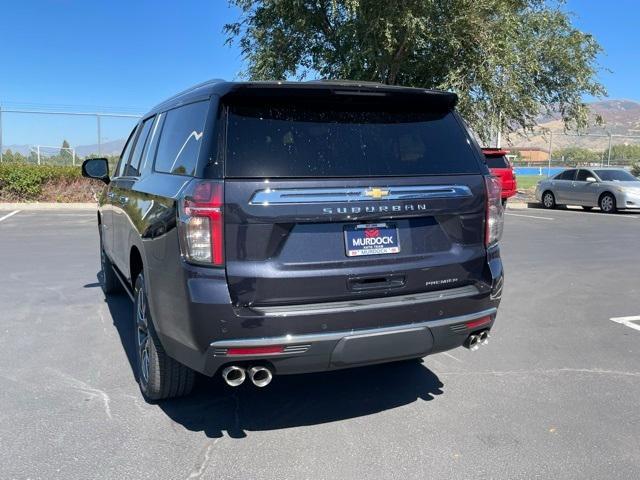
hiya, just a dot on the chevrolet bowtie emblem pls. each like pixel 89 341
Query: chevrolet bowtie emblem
pixel 376 193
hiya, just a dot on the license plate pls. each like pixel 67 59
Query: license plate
pixel 371 239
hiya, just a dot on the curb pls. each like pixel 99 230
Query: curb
pixel 48 206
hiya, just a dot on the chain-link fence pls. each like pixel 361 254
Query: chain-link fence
pixel 547 153
pixel 46 137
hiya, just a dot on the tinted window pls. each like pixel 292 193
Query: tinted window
pixel 497 162
pixel 180 139
pixel 291 141
pixel 583 175
pixel 152 144
pixel 133 167
pixel 566 175
pixel 615 175
pixel 124 156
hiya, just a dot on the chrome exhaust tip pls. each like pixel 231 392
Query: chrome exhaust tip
pixel 234 375
pixel 483 337
pixel 472 342
pixel 260 376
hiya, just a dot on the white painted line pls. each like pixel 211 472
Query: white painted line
pixel 594 214
pixel 9 215
pixel 628 321
pixel 529 216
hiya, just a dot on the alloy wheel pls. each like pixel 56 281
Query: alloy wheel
pixel 606 204
pixel 548 200
pixel 142 335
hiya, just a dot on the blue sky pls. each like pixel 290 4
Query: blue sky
pixel 125 56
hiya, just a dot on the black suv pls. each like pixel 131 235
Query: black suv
pixel 269 228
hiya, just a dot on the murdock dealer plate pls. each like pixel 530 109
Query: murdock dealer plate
pixel 371 239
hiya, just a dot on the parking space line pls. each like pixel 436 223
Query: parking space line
pixel 9 215
pixel 594 214
pixel 628 321
pixel 529 216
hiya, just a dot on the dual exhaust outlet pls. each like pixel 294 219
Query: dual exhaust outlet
pixel 474 341
pixel 235 376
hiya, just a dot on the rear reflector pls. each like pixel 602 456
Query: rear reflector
pixel 255 350
pixel 478 323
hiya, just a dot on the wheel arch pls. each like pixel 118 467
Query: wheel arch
pixel 136 265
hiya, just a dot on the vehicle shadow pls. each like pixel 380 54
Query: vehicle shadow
pixel 290 400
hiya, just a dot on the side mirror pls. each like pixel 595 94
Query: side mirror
pixel 97 168
pixel 591 179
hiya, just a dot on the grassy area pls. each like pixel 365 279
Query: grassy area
pixel 528 182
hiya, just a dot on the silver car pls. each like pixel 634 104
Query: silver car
pixel 610 189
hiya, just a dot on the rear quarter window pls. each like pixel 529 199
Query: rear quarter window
pixel 181 138
pixel 292 141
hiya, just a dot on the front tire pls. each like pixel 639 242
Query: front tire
pixel 548 200
pixel 159 375
pixel 607 203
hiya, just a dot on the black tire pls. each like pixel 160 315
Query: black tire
pixel 548 200
pixel 588 209
pixel 110 283
pixel 159 375
pixel 607 203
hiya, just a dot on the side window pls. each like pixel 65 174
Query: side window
pixel 583 175
pixel 567 175
pixel 133 167
pixel 124 156
pixel 152 145
pixel 181 138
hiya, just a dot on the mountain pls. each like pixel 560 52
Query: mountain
pixel 113 147
pixel 620 117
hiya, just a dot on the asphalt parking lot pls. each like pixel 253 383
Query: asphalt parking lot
pixel 554 395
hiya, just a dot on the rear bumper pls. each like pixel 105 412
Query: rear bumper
pixel 345 349
pixel 197 322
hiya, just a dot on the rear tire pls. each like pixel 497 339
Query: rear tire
pixel 607 203
pixel 159 375
pixel 548 200
pixel 110 283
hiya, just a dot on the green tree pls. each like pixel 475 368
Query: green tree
pixel 625 152
pixel 508 60
pixel 577 155
pixel 65 157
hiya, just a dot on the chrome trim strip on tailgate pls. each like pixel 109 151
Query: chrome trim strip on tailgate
pixel 368 303
pixel 331 336
pixel 303 196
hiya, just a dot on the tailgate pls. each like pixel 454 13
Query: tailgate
pixel 293 241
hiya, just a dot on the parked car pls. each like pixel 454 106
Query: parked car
pixel 500 166
pixel 610 189
pixel 275 228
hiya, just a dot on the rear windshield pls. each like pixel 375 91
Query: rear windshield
pixel 497 162
pixel 290 141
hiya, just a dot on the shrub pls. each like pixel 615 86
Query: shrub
pixel 635 169
pixel 21 182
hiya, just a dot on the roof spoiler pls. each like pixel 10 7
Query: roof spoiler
pixel 343 92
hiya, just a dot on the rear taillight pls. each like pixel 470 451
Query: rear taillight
pixel 494 222
pixel 201 222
